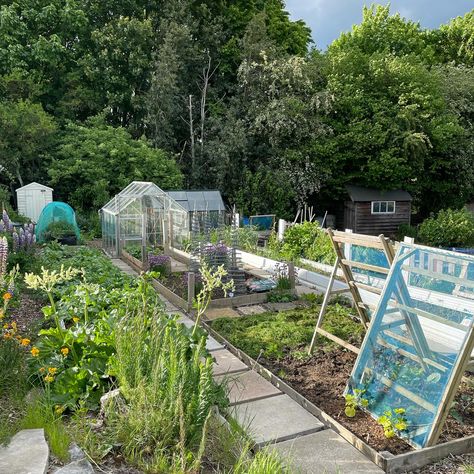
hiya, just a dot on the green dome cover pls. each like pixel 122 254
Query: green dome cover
pixel 55 212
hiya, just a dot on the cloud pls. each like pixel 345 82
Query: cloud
pixel 329 18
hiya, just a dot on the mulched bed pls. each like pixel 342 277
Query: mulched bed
pixel 322 380
pixel 27 314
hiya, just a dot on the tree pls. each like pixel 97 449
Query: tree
pixel 94 161
pixel 26 133
pixel 392 124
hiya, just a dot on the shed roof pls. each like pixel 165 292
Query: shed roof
pixel 199 200
pixel 360 194
pixel 36 185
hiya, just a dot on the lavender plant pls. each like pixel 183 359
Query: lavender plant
pixel 160 263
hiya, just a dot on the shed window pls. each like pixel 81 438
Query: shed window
pixel 383 207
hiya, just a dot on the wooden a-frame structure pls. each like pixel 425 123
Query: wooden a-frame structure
pixel 340 241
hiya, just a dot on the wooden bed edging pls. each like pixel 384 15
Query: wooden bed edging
pixel 170 295
pixel 393 464
pixel 136 264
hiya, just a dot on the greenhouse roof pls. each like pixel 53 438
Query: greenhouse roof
pixel 198 200
pixel 135 190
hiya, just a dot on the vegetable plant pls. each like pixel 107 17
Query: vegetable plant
pixel 353 401
pixel 393 422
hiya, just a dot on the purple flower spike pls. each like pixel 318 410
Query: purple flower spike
pixel 3 256
pixel 16 241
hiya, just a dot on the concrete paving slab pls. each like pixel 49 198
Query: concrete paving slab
pixel 281 306
pixel 248 386
pixel 27 453
pixel 304 290
pixel 82 466
pixel 213 345
pixel 275 419
pixel 325 452
pixel 216 313
pixel 253 309
pixel 227 363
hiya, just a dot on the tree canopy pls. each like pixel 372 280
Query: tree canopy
pixel 233 95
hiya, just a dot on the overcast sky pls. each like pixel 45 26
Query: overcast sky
pixel 329 18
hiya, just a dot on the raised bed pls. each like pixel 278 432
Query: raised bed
pixel 388 462
pixel 135 263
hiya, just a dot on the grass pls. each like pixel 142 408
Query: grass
pixel 274 334
pixel 39 414
pixel 13 387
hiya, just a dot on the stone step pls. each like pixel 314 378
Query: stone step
pixel 247 386
pixel 325 452
pixel 27 453
pixel 275 419
pixel 227 363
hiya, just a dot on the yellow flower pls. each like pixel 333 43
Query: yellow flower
pixel 25 341
pixel 35 351
pixel 7 335
pixel 49 378
pixel 6 326
pixel 42 369
pixel 52 370
pixel 7 296
pixel 59 409
pixel 75 319
pixel 64 351
pixel 14 326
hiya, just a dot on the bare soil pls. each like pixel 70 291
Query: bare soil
pixel 27 314
pixel 322 380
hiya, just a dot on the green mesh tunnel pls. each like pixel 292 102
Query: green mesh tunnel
pixel 55 212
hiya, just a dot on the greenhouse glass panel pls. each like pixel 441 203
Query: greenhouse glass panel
pixel 419 340
pixel 140 215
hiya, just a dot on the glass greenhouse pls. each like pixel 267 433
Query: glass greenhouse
pixel 207 206
pixel 145 216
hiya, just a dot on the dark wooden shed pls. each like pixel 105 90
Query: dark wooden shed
pixel 373 212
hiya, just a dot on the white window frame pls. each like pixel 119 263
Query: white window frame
pixel 373 211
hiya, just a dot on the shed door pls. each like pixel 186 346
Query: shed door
pixel 35 202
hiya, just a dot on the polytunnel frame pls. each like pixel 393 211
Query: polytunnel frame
pixel 115 214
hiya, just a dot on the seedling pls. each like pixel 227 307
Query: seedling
pixel 393 422
pixel 353 401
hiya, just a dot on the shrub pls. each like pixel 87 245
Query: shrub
pixel 59 230
pixel 298 239
pixel 165 374
pixel 450 228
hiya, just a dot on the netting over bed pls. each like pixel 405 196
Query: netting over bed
pixel 419 341
pixel 55 212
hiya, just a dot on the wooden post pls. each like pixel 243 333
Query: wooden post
pixel 191 289
pixel 292 275
pixel 171 230
pixel 322 311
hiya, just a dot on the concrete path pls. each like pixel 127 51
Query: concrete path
pixel 27 453
pixel 271 417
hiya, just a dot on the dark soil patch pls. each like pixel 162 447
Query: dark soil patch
pixel 322 380
pixel 27 314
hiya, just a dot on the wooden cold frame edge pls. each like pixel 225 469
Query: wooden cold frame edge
pixel 451 390
pixel 136 264
pixel 390 463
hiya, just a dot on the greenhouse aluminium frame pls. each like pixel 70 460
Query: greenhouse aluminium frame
pixel 142 214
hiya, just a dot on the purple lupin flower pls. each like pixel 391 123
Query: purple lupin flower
pixel 7 221
pixel 3 256
pixel 16 241
pixel 2 226
pixel 22 240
